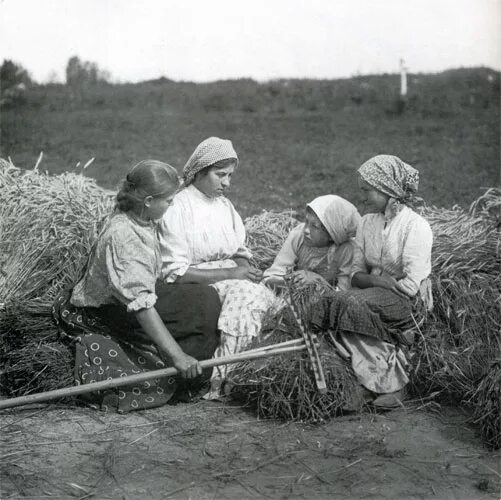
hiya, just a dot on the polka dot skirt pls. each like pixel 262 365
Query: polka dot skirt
pixel 101 356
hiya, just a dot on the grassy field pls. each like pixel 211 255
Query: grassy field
pixel 296 138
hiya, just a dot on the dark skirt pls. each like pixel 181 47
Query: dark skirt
pixel 375 312
pixel 109 342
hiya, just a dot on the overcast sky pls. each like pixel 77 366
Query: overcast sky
pixel 205 40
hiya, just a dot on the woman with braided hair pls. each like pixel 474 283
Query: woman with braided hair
pixel 391 264
pixel 120 319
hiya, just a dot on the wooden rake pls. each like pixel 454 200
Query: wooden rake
pixel 258 353
pixel 308 342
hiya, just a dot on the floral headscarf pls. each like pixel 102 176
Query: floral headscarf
pixel 338 216
pixel 206 154
pixel 390 175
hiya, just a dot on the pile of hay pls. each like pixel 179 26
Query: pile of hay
pixel 38 367
pixel 48 225
pixel 283 387
pixel 462 341
pixel 486 403
pixel 266 233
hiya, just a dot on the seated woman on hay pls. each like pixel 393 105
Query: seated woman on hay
pixel 203 242
pixel 120 318
pixel 392 261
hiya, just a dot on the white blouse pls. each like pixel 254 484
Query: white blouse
pixel 197 229
pixel 400 246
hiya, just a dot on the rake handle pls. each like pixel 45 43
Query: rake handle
pixel 141 377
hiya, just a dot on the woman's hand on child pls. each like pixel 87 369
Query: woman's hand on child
pixel 188 366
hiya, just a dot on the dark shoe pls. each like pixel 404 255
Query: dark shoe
pixel 390 401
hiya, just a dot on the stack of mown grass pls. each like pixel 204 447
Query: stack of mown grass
pixel 47 227
pixel 459 352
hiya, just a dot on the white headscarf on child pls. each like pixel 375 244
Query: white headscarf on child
pixel 339 216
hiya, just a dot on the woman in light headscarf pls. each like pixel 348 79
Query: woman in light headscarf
pixel 203 241
pixel 320 249
pixel 391 264
pixel 203 236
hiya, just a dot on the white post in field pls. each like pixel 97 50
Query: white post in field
pixel 403 79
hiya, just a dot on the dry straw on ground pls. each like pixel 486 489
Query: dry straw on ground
pixel 49 223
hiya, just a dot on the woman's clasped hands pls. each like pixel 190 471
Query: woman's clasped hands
pixel 385 280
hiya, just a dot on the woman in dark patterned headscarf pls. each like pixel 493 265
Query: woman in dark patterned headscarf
pixel 391 264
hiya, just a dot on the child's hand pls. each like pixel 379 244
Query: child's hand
pixel 303 278
pixel 275 282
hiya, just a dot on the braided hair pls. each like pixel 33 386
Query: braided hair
pixel 146 178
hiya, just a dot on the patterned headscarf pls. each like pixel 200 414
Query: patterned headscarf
pixel 206 154
pixel 390 175
pixel 338 216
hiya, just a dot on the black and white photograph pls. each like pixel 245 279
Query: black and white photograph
pixel 250 250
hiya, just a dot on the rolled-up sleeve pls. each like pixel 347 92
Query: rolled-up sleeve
pixel 286 259
pixel 173 245
pixel 359 264
pixel 416 257
pixel 343 262
pixel 242 250
pixel 131 273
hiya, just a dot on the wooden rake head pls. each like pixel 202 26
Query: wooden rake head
pixel 310 340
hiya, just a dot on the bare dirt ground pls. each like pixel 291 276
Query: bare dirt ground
pixel 209 450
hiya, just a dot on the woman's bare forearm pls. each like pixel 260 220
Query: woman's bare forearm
pixel 155 328
pixel 204 276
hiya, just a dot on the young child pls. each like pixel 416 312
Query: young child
pixel 320 249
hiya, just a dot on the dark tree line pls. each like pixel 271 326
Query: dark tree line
pixel 13 74
pixel 84 73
